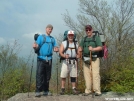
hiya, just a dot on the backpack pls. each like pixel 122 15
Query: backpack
pixel 65 35
pixel 96 33
pixel 67 46
pixel 44 41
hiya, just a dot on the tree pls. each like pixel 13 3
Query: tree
pixel 14 75
pixel 115 21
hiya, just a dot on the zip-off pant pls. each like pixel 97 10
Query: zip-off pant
pixel 68 68
pixel 95 76
pixel 43 75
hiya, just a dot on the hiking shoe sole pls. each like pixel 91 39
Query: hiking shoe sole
pixel 37 94
pixel 86 94
pixel 97 94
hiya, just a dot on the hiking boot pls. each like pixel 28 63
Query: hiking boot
pixel 97 94
pixel 47 93
pixel 75 91
pixel 62 91
pixel 37 94
pixel 86 94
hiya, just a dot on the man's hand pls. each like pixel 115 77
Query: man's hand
pixel 66 56
pixel 80 49
pixel 79 52
pixel 77 56
pixel 35 45
pixel 90 48
pixel 56 49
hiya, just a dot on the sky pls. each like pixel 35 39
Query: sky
pixel 21 19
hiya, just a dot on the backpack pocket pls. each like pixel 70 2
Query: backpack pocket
pixel 86 60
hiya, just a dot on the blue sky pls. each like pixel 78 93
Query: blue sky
pixel 21 19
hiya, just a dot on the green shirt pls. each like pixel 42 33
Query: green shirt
pixel 86 42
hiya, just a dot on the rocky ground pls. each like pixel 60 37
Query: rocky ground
pixel 109 96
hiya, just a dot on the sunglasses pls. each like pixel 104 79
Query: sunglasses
pixel 70 35
pixel 88 30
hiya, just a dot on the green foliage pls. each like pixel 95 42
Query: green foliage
pixel 14 72
pixel 120 77
pixel 123 81
pixel 105 81
pixel 13 82
pixel 115 21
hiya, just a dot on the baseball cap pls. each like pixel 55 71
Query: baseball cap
pixel 88 27
pixel 70 32
pixel 49 26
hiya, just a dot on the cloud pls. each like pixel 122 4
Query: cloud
pixel 28 36
pixel 21 19
pixel 2 40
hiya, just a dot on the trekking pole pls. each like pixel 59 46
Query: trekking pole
pixel 57 74
pixel 81 69
pixel 91 74
pixel 77 72
pixel 31 75
pixel 67 60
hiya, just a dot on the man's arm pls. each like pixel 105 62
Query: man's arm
pixel 79 52
pixel 80 49
pixel 99 45
pixel 56 48
pixel 99 48
pixel 38 42
pixel 61 52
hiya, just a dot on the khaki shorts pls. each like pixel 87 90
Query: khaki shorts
pixel 68 68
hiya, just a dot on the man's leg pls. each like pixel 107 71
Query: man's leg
pixel 73 81
pixel 73 76
pixel 74 90
pixel 63 82
pixel 39 77
pixel 87 76
pixel 63 75
pixel 47 77
pixel 96 76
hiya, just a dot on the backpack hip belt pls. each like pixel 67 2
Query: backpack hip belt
pixel 71 60
pixel 46 57
pixel 94 57
pixel 48 61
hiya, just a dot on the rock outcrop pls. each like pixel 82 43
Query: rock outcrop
pixel 109 96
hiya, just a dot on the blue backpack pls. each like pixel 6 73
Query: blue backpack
pixel 44 41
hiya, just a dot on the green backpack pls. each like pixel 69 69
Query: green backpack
pixel 66 39
pixel 102 38
pixel 65 35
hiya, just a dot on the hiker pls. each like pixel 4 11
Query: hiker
pixel 69 63
pixel 86 45
pixel 45 45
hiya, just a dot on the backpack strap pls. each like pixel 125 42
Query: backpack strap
pixel 44 41
pixel 67 46
pixel 61 58
pixel 52 40
pixel 93 40
pixel 75 46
